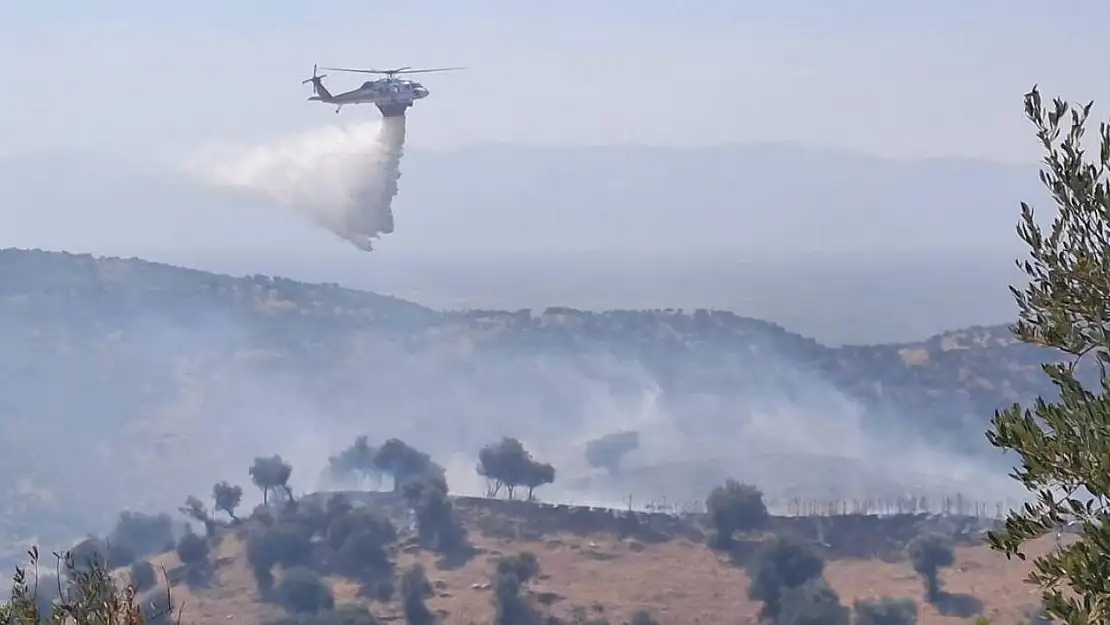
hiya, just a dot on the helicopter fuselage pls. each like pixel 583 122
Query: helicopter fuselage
pixel 392 96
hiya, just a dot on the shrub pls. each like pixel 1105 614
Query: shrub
pixel 735 507
pixel 929 553
pixel 301 590
pixel 92 597
pixel 779 565
pixel 284 543
pixel 523 565
pixel 192 549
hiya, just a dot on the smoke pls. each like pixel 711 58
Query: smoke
pixel 343 178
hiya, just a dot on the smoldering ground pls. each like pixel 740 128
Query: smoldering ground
pixel 343 177
pixel 240 391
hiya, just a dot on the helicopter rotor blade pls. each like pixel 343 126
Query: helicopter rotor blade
pixel 357 71
pixel 422 71
pixel 390 72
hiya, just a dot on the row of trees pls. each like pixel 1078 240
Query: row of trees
pixel 506 465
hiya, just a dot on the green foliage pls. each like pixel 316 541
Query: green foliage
pixel 193 549
pixel 507 464
pixel 302 591
pixel 227 498
pixel 608 451
pixel 356 461
pixel 361 540
pixel 781 564
pixel 91 597
pixel 285 543
pixel 405 463
pixel 643 618
pixel 735 507
pixel 270 474
pixel 436 524
pixel 509 578
pixel 523 565
pixel 1064 446
pixel 196 510
pixel 929 553
pixel 885 611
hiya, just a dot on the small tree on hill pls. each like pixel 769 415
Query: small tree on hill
pixel 302 591
pixel 269 474
pixel 735 507
pixel 403 462
pixel 508 464
pixel 436 525
pixel 1064 445
pixel 778 566
pixel 608 451
pixel 509 578
pixel 929 553
pixel 227 498
pixel 358 461
pixel 196 511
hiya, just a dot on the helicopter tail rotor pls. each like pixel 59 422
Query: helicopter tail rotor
pixel 315 77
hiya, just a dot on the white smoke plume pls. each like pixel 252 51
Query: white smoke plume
pixel 344 178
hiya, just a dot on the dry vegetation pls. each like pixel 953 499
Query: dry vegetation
pixel 602 576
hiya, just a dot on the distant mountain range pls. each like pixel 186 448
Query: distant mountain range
pixel 131 384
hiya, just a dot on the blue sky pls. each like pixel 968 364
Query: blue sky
pixel 895 78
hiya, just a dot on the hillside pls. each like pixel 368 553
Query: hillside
pixel 161 380
pixel 592 571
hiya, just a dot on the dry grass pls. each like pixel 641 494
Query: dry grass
pixel 680 582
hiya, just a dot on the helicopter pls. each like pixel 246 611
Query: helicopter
pixel 390 94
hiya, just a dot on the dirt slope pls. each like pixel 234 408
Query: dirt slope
pixel 601 576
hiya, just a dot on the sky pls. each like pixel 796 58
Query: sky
pixel 903 79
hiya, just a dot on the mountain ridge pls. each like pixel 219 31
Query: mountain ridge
pixel 183 375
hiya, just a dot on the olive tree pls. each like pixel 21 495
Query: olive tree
pixel 1063 443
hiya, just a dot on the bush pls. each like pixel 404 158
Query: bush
pixel 512 572
pixel 778 566
pixel 643 618
pixel 929 553
pixel 192 549
pixel 301 590
pixel 735 507
pixel 885 611
pixel 285 543
pixel 361 540
pixel 523 565
pixel 92 597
